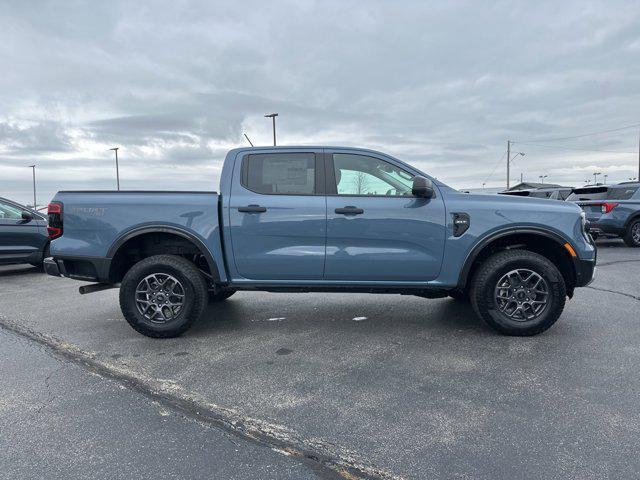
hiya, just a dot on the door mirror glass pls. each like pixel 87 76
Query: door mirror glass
pixel 422 187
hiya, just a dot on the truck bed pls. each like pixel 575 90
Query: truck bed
pixel 97 222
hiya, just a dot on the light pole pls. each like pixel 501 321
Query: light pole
pixel 605 178
pixel 33 168
pixel 595 177
pixel 115 149
pixel 483 184
pixel 273 116
pixel 542 177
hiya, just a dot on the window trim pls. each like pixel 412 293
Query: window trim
pixel 332 187
pixel 319 174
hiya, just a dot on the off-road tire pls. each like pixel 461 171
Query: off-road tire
pixel 485 281
pixel 195 295
pixel 628 236
pixel 220 296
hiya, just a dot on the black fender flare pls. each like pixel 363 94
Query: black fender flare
pixel 478 247
pixel 136 232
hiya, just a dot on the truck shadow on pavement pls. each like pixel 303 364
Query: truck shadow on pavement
pixel 243 313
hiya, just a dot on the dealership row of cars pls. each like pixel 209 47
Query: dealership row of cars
pixel 611 210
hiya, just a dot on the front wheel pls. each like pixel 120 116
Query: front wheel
pixel 518 292
pixel 632 235
pixel 161 296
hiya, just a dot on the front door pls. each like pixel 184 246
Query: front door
pixel 376 229
pixel 278 216
pixel 20 240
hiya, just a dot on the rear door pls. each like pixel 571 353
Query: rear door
pixel 376 230
pixel 20 240
pixel 278 215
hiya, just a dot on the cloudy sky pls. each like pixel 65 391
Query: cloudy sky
pixel 440 84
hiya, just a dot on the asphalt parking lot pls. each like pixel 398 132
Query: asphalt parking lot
pixel 324 385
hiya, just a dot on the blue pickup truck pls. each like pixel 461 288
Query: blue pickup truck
pixel 321 219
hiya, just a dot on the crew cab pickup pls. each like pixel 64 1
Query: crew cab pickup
pixel 321 219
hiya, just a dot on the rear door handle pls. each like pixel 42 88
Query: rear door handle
pixel 252 209
pixel 349 210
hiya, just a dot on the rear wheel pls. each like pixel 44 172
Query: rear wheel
pixel 161 296
pixel 518 292
pixel 632 235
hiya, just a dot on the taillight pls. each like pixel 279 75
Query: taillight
pixel 54 212
pixel 608 206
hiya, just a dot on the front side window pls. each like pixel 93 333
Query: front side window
pixel 10 212
pixel 280 173
pixel 363 175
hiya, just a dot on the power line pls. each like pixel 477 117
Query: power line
pixel 556 139
pixel 575 148
pixel 494 168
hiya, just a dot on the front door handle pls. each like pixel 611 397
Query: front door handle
pixel 349 210
pixel 252 209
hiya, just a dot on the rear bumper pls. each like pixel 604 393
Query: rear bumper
pixel 51 267
pixel 87 269
pixel 606 227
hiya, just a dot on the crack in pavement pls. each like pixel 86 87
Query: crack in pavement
pixel 635 297
pixel 326 459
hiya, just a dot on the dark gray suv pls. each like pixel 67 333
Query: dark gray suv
pixel 612 210
pixel 23 234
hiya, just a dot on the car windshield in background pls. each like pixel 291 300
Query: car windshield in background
pixel 621 193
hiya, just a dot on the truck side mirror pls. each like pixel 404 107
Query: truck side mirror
pixel 422 187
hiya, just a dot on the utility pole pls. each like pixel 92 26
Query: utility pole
pixel 273 116
pixel 115 149
pixel 508 160
pixel 33 168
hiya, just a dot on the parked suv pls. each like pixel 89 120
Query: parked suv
pixel 23 234
pixel 612 210
pixel 552 193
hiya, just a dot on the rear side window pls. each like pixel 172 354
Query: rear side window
pixel 621 193
pixel 280 173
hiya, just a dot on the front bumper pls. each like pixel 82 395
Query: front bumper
pixel 585 272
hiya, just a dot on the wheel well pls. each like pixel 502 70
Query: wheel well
pixel 155 243
pixel 538 243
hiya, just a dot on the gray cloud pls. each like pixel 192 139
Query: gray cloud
pixel 443 85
